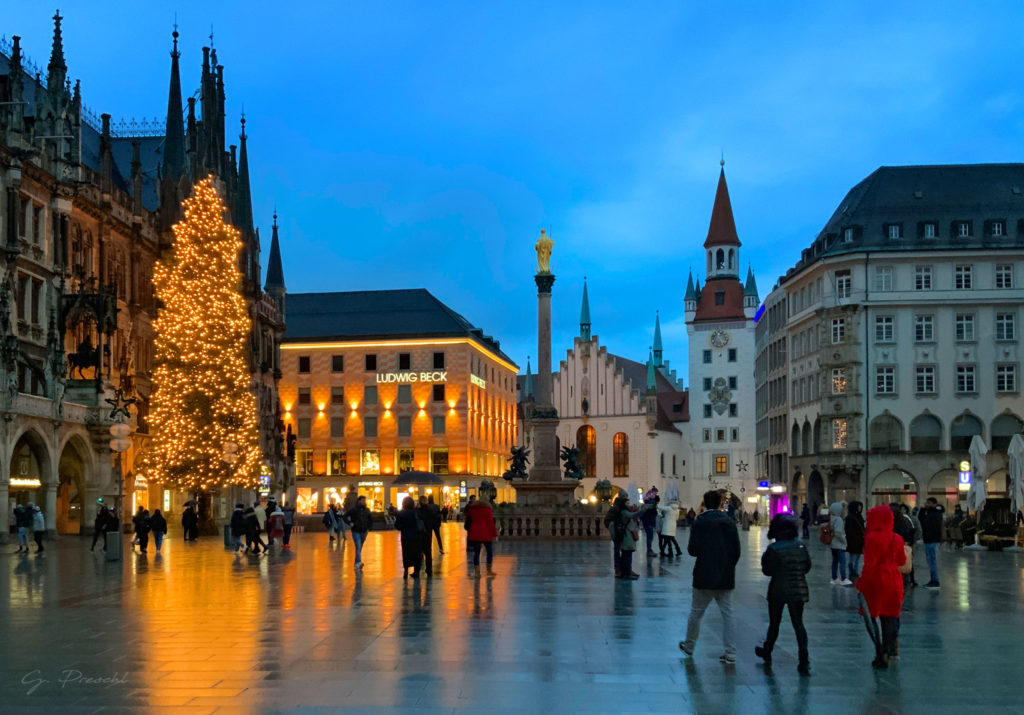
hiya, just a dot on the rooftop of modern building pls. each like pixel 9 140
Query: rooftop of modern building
pixel 927 204
pixel 412 313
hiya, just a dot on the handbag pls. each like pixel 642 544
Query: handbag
pixel 908 565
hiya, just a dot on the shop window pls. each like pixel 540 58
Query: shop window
pixel 303 363
pixel 337 461
pixel 439 461
pixel 404 361
pixel 439 361
pixel 369 461
pixel 303 461
pixel 337 363
pixel 404 394
pixel 404 460
pixel 370 427
pixel 438 425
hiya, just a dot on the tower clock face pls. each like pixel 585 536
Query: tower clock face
pixel 719 338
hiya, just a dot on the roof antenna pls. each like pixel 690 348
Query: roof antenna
pixel 211 35
pixel 721 163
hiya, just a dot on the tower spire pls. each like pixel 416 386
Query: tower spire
pixel 722 229
pixel 275 272
pixel 658 352
pixel 174 133
pixel 652 384
pixel 585 314
pixel 528 381
pixel 244 211
pixel 57 68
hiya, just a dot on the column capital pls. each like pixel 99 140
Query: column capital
pixel 544 282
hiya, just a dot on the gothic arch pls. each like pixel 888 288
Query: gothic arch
pixel 586 442
pixel 925 433
pixel 895 485
pixel 1003 428
pixel 795 447
pixel 962 429
pixel 807 439
pixel 886 434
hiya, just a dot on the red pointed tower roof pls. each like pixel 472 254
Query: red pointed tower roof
pixel 722 231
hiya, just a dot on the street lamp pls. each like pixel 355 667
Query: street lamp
pixel 120 432
pixel 603 489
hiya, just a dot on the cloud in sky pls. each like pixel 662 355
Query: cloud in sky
pixel 408 144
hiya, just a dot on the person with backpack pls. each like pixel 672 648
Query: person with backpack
pixel 786 561
pixel 902 525
pixel 836 535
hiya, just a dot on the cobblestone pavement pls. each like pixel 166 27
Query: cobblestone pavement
pixel 199 630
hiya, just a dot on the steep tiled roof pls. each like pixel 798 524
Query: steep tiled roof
pixel 722 229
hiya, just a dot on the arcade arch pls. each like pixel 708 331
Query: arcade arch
pixel 894 485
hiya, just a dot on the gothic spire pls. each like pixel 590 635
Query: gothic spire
pixel 244 209
pixel 750 289
pixel 691 292
pixel 585 313
pixel 174 166
pixel 528 381
pixel 658 352
pixel 722 229
pixel 275 273
pixel 652 384
pixel 57 69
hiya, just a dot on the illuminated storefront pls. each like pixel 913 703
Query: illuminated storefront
pixel 380 383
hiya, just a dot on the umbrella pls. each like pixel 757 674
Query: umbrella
pixel 1016 470
pixel 976 495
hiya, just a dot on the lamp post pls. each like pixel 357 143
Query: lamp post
pixel 229 456
pixel 603 489
pixel 120 432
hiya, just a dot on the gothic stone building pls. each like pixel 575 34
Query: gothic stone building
pixel 86 209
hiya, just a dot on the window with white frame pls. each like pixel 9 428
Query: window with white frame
pixel 884 332
pixel 962 277
pixel 1004 275
pixel 924 328
pixel 923 278
pixel 965 378
pixel 894 230
pixel 883 278
pixel 844 284
pixel 839 433
pixel 929 230
pixel 1006 378
pixel 998 228
pixel 838 330
pixel 963 229
pixel 924 379
pixel 1006 326
pixel 848 235
pixel 839 381
pixel 964 327
pixel 885 380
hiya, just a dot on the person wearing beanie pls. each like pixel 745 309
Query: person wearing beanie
pixel 786 561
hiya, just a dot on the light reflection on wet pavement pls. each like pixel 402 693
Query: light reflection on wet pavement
pixel 199 630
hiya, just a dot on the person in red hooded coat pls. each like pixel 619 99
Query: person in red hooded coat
pixel 880 581
pixel 482 532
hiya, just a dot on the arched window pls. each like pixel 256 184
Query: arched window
pixel 925 434
pixel 817 435
pixel 1003 428
pixel 732 259
pixel 962 430
pixel 886 434
pixel 662 458
pixel 720 259
pixel 807 442
pixel 795 448
pixel 620 456
pixel 586 441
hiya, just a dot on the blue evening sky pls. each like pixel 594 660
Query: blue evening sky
pixel 425 144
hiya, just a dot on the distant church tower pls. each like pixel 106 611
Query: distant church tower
pixel 720 331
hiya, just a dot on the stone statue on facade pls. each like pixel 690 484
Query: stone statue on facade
pixel 543 247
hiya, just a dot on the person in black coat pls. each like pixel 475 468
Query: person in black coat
pixel 902 525
pixel 648 519
pixel 932 518
pixel 238 526
pixel 158 525
pixel 409 524
pixel 787 562
pixel 805 517
pixel 855 536
pixel 252 532
pixel 142 528
pixel 190 523
pixel 429 519
pixel 715 543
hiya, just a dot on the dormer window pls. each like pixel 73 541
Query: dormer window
pixel 963 229
pixel 929 230
pixel 998 228
pixel 894 231
pixel 848 235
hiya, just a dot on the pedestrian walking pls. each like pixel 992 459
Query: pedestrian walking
pixel 38 527
pixel 411 527
pixel 932 517
pixel 465 522
pixel 854 537
pixel 629 524
pixel 838 545
pixel 649 518
pixel 143 526
pixel 99 525
pixel 158 526
pixel 715 543
pixel 482 533
pixel 902 525
pixel 261 516
pixel 23 522
pixel 289 524
pixel 436 517
pixel 275 527
pixel 786 561
pixel 253 540
pixel 428 517
pixel 190 522
pixel 238 527
pixel 669 521
pixel 880 583
pixel 361 520
pixel 691 516
pixel 805 518
pixel 611 522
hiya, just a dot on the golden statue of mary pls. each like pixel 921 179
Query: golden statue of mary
pixel 543 247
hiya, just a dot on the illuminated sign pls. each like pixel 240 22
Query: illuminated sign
pixel 964 477
pixel 140 482
pixel 371 484
pixel 435 376
pixel 763 485
pixel 478 381
pixel 462 488
pixel 23 482
pixel 264 484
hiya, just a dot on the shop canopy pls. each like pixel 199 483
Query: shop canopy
pixel 418 478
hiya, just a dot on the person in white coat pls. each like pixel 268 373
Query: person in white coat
pixel 669 517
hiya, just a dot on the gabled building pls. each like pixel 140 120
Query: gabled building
pixel 720 329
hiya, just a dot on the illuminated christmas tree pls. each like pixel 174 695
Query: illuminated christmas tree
pixel 202 400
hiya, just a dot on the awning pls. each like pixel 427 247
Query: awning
pixel 418 478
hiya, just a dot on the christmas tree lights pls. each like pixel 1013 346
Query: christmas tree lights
pixel 203 399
